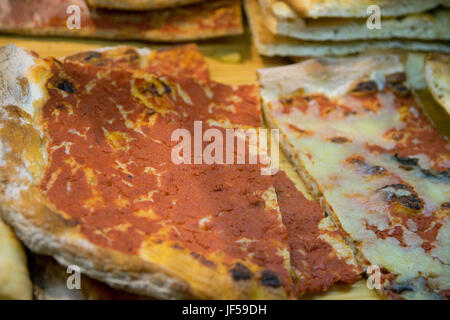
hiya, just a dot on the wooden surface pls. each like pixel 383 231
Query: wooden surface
pixel 232 73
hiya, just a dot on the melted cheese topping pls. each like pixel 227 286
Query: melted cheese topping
pixel 383 170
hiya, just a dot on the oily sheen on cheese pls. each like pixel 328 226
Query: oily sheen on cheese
pixel 372 154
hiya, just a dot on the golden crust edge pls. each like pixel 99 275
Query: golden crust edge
pixel 432 62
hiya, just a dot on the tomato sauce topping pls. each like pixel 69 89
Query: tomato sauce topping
pixel 110 171
pixel 208 16
pixel 183 61
pixel 417 136
pixel 110 168
pixel 313 257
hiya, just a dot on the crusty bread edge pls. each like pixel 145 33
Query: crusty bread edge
pixel 431 80
pixel 139 4
pixel 145 278
pixel 42 242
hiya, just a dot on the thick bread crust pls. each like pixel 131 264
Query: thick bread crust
pixel 283 20
pixel 202 21
pixel 358 8
pixel 133 275
pixel 437 75
pixel 269 44
pixel 139 4
pixel 332 77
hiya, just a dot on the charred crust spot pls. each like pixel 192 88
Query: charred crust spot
pixel 240 272
pixel 57 62
pixel 403 194
pixel 440 175
pixel 399 89
pixel 92 55
pixel 151 88
pixel 270 279
pixel 202 259
pixel 132 54
pixel 65 85
pixel 60 107
pixel 365 88
pixel 177 246
pixel 167 89
pixel 398 77
pixel 151 112
pixel 351 112
pixel 399 288
pixel 396 136
pixel 406 161
pixel 367 168
pixel 445 205
pixel 85 56
pixel 154 90
pixel 339 140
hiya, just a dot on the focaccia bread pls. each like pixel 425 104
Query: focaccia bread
pixel 358 8
pixel 320 257
pixel 272 45
pixel 139 4
pixel 437 75
pixel 362 143
pixel 92 182
pixel 49 17
pixel 281 19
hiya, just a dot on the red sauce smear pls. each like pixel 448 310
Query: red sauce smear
pixel 183 194
pixel 318 265
pixel 418 136
pixel 213 17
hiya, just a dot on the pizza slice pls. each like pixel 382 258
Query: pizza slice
pixel 91 181
pixel 282 20
pixel 269 44
pixel 139 4
pixel 73 18
pixel 359 139
pixel 319 255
